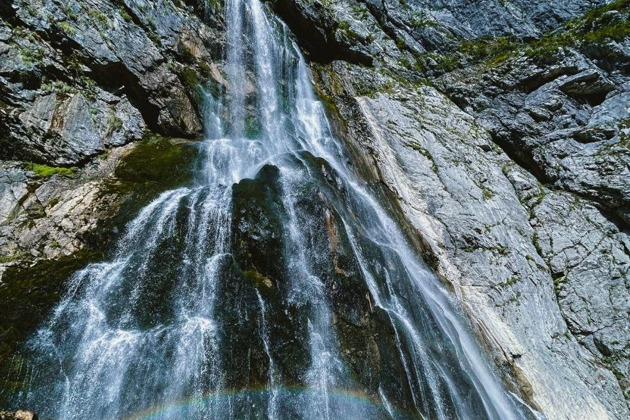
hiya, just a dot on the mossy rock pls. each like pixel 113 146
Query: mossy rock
pixel 155 165
pixel 28 295
pixel 158 163
pixel 257 225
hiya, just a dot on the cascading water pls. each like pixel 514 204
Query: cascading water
pixel 276 286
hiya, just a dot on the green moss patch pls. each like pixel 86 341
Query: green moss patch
pixel 155 165
pixel 192 83
pixel 44 171
pixel 257 279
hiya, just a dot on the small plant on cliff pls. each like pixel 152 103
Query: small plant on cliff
pixel 125 15
pixel 624 133
pixel 66 28
pixel 69 12
pixel 114 123
pixel 100 17
pixel 45 171
pixel 420 20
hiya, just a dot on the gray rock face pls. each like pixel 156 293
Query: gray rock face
pixel 563 121
pixel 77 77
pixel 589 259
pixel 542 270
pixel 449 180
pixel 419 26
pixel 437 24
pixel 49 218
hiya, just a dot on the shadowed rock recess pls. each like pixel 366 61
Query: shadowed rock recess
pixel 314 209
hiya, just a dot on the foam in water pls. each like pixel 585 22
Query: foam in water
pixel 142 336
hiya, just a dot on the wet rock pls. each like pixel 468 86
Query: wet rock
pixel 449 180
pixel 541 270
pixel 259 275
pixel 54 221
pixel 18 415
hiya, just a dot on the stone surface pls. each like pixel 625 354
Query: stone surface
pixel 18 415
pixel 77 77
pixel 48 217
pixel 566 127
pixel 448 179
pixel 542 270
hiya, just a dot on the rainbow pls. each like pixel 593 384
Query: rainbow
pixel 174 408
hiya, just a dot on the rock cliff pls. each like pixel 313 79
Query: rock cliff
pixel 499 129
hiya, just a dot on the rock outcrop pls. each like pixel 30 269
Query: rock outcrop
pixel 18 415
pixel 78 77
pixel 54 221
pixel 79 81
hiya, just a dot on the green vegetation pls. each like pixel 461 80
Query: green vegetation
pixel 557 283
pixel 74 63
pixel 67 10
pixel 32 55
pixel 151 24
pixel 99 17
pixel 257 279
pixel 401 44
pixel 125 15
pixel 190 80
pixel 188 55
pixel 360 11
pixel 58 86
pixel 486 193
pixel 347 31
pixel 535 241
pixel 155 165
pixel 45 171
pixel 90 89
pixel 214 5
pixel 624 133
pixel 153 36
pixel 512 281
pixel 7 259
pixel 114 123
pixel 594 28
pixel 514 299
pixel 420 19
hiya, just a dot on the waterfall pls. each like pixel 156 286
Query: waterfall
pixel 274 286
